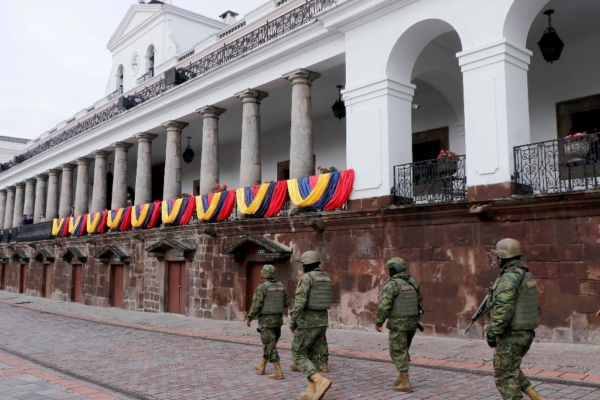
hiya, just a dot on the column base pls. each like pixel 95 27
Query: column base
pixel 490 192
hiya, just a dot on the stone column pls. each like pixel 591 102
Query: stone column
pixel 99 187
pixel 66 191
pixel 10 207
pixel 19 204
pixel 143 177
pixel 52 203
pixel 250 165
pixel 40 197
pixel 82 190
pixel 301 140
pixel 2 207
pixel 29 196
pixel 172 183
pixel 209 164
pixel 119 194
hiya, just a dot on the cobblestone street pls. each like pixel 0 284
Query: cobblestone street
pixel 158 365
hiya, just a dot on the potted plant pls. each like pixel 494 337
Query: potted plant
pixel 323 170
pixel 447 162
pixel 577 145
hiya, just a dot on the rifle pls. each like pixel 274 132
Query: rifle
pixel 480 311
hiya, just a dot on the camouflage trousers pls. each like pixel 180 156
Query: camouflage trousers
pixel 307 348
pixel 510 380
pixel 324 354
pixel 399 343
pixel 269 338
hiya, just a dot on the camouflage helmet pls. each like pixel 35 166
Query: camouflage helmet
pixel 508 248
pixel 268 271
pixel 397 264
pixel 310 257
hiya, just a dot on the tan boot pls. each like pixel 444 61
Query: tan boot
pixel 260 368
pixel 293 367
pixel 322 384
pixel 405 385
pixel 533 394
pixel 323 368
pixel 398 380
pixel 278 374
pixel 309 392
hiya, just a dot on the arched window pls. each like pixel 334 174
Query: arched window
pixel 120 78
pixel 150 56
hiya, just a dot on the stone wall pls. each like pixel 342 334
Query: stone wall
pixel 448 248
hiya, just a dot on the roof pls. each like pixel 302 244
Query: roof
pixel 13 139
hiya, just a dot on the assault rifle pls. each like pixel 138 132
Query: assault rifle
pixel 480 312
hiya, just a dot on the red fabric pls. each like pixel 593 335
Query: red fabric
pixel 277 200
pixel 102 226
pixel 312 181
pixel 65 230
pixel 155 214
pixel 189 210
pixel 209 198
pixel 126 221
pixel 255 190
pixel 227 208
pixel 342 192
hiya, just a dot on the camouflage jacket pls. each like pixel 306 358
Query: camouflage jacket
pixel 505 296
pixel 266 321
pixel 300 316
pixel 388 294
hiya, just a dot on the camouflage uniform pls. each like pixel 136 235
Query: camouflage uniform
pixel 309 343
pixel 512 344
pixel 402 329
pixel 270 324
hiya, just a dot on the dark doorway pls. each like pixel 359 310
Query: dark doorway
pixel 427 145
pixel 116 286
pixel 3 276
pixel 586 121
pixel 158 181
pixel 77 283
pixel 253 280
pixel 47 279
pixel 176 288
pixel 23 278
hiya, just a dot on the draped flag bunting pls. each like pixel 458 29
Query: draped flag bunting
pixel 96 222
pixel 325 192
pixel 178 211
pixel 119 219
pixel 77 225
pixel 264 200
pixel 145 216
pixel 60 227
pixel 215 207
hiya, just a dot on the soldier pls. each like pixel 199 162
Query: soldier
pixel 270 298
pixel 308 322
pixel 514 315
pixel 401 306
pixel 323 359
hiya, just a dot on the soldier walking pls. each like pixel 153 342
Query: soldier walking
pixel 270 298
pixel 401 305
pixel 514 315
pixel 308 322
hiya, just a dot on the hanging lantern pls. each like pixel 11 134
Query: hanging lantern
pixel 550 44
pixel 188 154
pixel 339 108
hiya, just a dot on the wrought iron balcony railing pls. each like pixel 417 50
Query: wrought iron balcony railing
pixel 144 77
pixel 114 94
pixel 430 181
pixel 34 232
pixel 558 166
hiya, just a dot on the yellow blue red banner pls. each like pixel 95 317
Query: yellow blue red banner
pixel 324 192
pixel 119 219
pixel 264 200
pixel 215 207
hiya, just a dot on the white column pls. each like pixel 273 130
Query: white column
pixel 19 204
pixel 209 164
pixel 10 207
pixel 53 195
pixel 2 207
pixel 82 190
pixel 379 134
pixel 40 197
pixel 250 163
pixel 66 191
pixel 119 193
pixel 99 187
pixel 172 182
pixel 496 115
pixel 143 172
pixel 29 196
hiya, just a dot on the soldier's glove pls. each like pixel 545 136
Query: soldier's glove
pixel 491 341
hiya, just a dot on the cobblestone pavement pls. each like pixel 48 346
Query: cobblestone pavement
pixel 158 365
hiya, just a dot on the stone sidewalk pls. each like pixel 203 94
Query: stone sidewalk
pixel 554 362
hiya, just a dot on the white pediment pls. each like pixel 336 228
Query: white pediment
pixel 137 16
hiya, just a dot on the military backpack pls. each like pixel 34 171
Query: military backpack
pixel 274 300
pixel 319 296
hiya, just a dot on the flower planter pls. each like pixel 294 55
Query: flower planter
pixel 577 150
pixel 447 167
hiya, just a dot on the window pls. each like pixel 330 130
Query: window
pixel 150 56
pixel 120 78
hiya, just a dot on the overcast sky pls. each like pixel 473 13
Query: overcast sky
pixel 54 60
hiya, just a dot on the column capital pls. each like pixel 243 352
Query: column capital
pixel 492 53
pixel 145 137
pixel 66 167
pixel 251 95
pixel 42 177
pixel 30 180
pixel 210 111
pixel 83 161
pixel 121 145
pixel 20 184
pixel 100 153
pixel 301 75
pixel 53 172
pixel 10 188
pixel 174 125
pixel 4 190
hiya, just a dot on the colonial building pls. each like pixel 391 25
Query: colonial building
pixel 195 102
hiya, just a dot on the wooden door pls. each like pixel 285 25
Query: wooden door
pixel 253 280
pixel 77 283
pixel 47 279
pixel 22 278
pixel 3 276
pixel 117 285
pixel 176 288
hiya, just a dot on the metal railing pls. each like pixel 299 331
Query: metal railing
pixel 34 232
pixel 144 77
pixel 557 166
pixel 114 94
pixel 430 181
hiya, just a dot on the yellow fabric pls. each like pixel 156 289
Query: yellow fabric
pixel 202 215
pixel 57 224
pixel 93 220
pixel 136 221
pixel 112 224
pixel 315 194
pixel 256 203
pixel 73 224
pixel 168 218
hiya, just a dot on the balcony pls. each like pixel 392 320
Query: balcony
pixel 558 166
pixel 430 181
pixel 145 77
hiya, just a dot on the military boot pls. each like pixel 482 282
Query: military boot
pixel 260 368
pixel 323 368
pixel 309 392
pixel 322 384
pixel 533 395
pixel 278 374
pixel 404 385
pixel 398 380
pixel 294 367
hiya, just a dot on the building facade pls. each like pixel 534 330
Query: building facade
pixel 252 99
